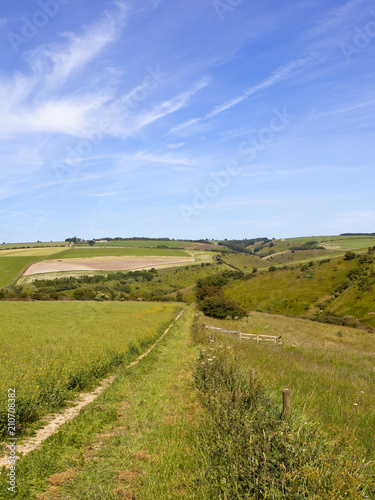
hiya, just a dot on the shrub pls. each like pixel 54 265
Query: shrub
pixel 221 307
pixel 349 255
pixel 248 451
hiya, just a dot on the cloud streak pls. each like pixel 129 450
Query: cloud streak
pixel 281 74
pixel 335 18
pixel 39 102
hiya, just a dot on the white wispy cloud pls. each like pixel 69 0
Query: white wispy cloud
pixel 158 111
pixel 345 109
pixel 185 124
pixel 78 51
pixel 34 101
pixel 281 74
pixel 153 157
pixel 335 18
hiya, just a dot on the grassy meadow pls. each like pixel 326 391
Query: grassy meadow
pixel 39 244
pixel 143 243
pixel 139 439
pixel 83 253
pixel 11 267
pixel 162 283
pixel 335 285
pixel 50 349
pixel 338 243
pixel 14 261
pixel 329 369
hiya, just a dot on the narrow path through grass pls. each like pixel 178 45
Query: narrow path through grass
pixel 138 440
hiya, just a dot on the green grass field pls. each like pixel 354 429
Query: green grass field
pixel 83 253
pixel 340 243
pixel 338 286
pixel 11 267
pixel 13 262
pixel 49 349
pixel 140 437
pixel 7 246
pixel 143 244
pixel 243 261
pixel 299 256
pixel 329 369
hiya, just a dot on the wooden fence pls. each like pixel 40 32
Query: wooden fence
pixel 248 336
pixel 286 410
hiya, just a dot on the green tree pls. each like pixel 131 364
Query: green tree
pixel 349 255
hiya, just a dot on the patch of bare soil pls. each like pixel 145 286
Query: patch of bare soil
pixel 124 493
pixel 93 264
pixel 61 477
pixel 128 475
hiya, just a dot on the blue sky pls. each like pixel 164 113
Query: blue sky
pixel 186 119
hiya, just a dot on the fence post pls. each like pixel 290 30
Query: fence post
pixel 239 333
pixel 207 331
pixel 287 407
pixel 252 375
pixel 257 339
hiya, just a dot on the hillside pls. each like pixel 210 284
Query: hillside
pixel 339 244
pixel 331 286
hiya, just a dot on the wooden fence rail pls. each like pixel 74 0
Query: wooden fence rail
pixel 287 406
pixel 248 336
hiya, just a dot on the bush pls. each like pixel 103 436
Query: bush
pixel 248 451
pixel 221 307
pixel 349 255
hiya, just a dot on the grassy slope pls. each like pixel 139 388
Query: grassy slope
pixel 13 262
pixel 341 243
pixel 328 369
pixel 243 261
pixel 144 244
pixel 11 267
pixel 83 253
pixel 167 281
pixel 139 438
pixel 49 348
pixel 7 246
pixel 296 292
pixel 288 257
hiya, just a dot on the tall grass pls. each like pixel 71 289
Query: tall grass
pixel 329 369
pixel 248 451
pixel 49 350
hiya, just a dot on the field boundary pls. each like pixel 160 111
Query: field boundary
pixel 23 271
pixel 55 421
pixel 248 336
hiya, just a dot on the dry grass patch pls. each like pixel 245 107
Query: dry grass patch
pixel 62 477
pixel 140 455
pixel 53 493
pixel 124 493
pixel 128 475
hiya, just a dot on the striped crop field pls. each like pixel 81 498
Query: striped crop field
pixel 84 253
pixel 14 261
pixel 49 350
